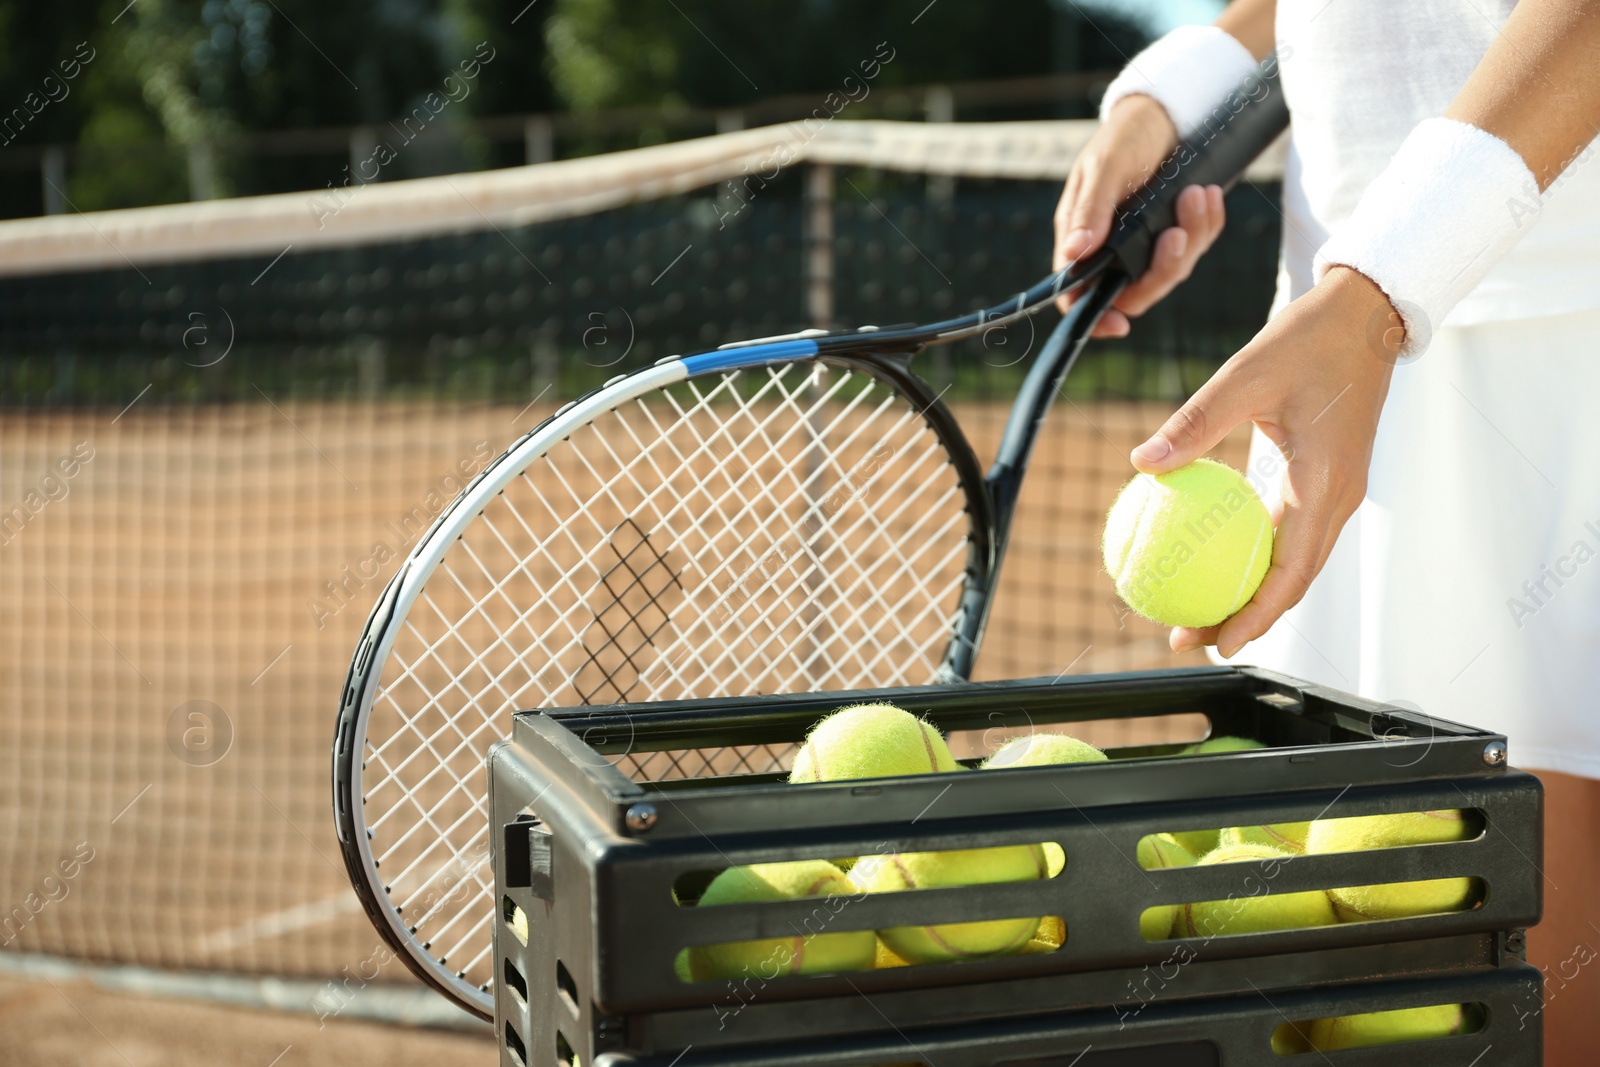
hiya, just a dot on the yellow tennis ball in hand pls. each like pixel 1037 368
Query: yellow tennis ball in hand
pixel 1257 906
pixel 1189 547
pixel 1386 1027
pixel 929 870
pixel 811 951
pixel 871 741
pixel 1402 899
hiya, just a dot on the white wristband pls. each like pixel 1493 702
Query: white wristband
pixel 1433 223
pixel 1189 72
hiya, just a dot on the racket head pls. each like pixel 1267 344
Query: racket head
pixel 758 526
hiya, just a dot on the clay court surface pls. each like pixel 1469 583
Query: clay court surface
pixel 181 611
pixel 74 1025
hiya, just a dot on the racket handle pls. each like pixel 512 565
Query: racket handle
pixel 1249 120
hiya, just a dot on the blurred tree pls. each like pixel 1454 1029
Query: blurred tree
pixel 515 83
pixel 42 41
pixel 162 90
pixel 196 73
pixel 723 53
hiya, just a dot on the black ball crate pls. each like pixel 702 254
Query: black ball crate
pixel 601 814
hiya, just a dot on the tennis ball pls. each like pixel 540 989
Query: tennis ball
pixel 885 957
pixel 871 741
pixel 1402 899
pixel 684 969
pixel 1189 547
pixel 1199 842
pixel 810 953
pixel 1259 910
pixel 1291 1039
pixel 1153 852
pixel 1387 1027
pixel 1055 859
pixel 1224 743
pixel 1038 750
pixel 1196 842
pixel 1289 836
pixel 1052 930
pixel 932 870
pixel 519 924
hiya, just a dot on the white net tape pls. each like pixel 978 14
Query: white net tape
pixel 786 530
pixel 519 196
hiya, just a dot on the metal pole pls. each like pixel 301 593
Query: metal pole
pixel 538 139
pixel 202 171
pixel 53 178
pixel 939 105
pixel 363 144
pixel 819 245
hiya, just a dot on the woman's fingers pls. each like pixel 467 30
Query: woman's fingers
pixel 1300 547
pixel 1309 382
pixel 1125 150
pixel 1083 216
pixel 1227 400
pixel 1113 323
pixel 1188 638
pixel 1062 218
pixel 1200 218
pixel 1083 220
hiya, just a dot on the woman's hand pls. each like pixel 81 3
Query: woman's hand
pixel 1118 159
pixel 1314 381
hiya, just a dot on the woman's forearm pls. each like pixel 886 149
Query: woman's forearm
pixel 1538 86
pixel 1250 22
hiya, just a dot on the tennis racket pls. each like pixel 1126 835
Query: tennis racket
pixel 790 514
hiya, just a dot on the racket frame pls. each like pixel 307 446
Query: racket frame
pixel 890 364
pixel 887 352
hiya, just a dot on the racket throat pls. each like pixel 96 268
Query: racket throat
pixel 1004 480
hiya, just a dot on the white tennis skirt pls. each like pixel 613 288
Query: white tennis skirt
pixel 1467 585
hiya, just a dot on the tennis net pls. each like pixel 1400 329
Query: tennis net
pixel 226 423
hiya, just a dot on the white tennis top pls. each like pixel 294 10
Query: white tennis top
pixel 1467 584
pixel 1358 76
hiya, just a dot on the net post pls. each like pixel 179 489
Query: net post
pixel 819 245
pixel 538 139
pixel 53 177
pixel 939 105
pixel 363 145
pixel 202 163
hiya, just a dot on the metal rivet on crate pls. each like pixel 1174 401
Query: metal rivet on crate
pixel 641 817
pixel 1494 753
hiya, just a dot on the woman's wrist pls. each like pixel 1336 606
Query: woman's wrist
pixel 1145 124
pixel 1188 72
pixel 1358 300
